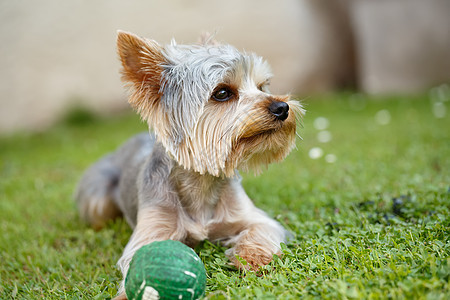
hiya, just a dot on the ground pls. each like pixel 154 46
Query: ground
pixel 365 196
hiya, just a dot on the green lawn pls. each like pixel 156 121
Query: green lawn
pixel 370 217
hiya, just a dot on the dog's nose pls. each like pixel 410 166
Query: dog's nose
pixel 279 109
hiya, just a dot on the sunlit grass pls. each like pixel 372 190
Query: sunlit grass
pixel 369 214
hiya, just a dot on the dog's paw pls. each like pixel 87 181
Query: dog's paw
pixel 249 258
pixel 121 296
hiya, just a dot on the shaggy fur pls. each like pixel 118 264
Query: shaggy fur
pixel 181 182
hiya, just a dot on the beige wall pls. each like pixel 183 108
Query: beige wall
pixel 402 45
pixel 53 53
pixel 56 54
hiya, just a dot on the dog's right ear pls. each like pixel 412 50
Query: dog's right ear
pixel 142 62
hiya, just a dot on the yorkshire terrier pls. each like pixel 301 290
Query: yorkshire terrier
pixel 211 113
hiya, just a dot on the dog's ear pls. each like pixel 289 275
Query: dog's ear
pixel 142 62
pixel 142 67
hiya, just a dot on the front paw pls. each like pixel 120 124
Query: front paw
pixel 121 296
pixel 251 257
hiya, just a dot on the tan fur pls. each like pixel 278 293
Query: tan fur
pixel 153 224
pixel 255 236
pixel 121 296
pixel 260 140
pixel 100 215
pixel 98 211
pixel 215 145
pixel 142 62
pixel 186 186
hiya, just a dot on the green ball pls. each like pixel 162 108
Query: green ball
pixel 165 270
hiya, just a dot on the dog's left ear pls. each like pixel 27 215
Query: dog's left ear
pixel 142 62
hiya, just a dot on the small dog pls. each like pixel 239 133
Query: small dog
pixel 211 113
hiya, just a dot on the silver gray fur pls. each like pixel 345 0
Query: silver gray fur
pixel 181 184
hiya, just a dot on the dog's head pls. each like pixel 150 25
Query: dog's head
pixel 208 104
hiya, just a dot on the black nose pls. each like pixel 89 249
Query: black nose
pixel 279 109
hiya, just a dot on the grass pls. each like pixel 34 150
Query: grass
pixel 374 224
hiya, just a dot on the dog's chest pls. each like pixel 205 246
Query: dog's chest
pixel 198 194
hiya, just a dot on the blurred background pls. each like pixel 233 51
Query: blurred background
pixel 58 55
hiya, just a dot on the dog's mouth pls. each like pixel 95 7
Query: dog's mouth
pixel 262 138
pixel 266 128
pixel 268 138
pixel 260 135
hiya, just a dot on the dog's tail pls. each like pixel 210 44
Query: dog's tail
pixel 96 192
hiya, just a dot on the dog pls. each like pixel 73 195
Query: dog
pixel 211 114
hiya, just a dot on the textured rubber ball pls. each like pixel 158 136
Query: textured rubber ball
pixel 165 270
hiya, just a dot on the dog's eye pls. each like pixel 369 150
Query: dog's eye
pixel 222 94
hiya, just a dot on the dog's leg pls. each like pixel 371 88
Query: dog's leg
pixel 159 213
pixel 252 234
pixel 153 224
pixel 256 244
